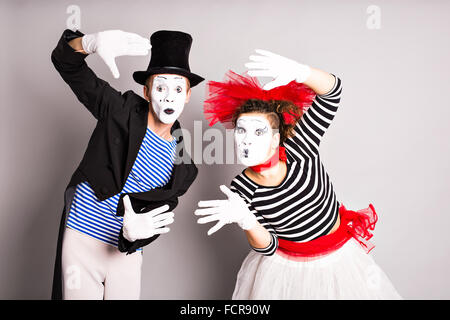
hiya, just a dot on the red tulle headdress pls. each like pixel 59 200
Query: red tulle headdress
pixel 224 98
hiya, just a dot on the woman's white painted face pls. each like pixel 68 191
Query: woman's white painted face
pixel 253 136
pixel 168 96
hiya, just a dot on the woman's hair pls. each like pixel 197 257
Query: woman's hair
pixel 277 112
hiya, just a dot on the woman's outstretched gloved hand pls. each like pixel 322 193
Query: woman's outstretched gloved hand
pixel 114 43
pixel 283 70
pixel 232 210
pixel 145 225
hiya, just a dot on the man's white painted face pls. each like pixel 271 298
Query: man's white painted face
pixel 253 136
pixel 168 96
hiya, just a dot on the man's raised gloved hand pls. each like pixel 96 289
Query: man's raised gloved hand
pixel 115 43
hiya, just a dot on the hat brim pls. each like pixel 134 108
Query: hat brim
pixel 141 76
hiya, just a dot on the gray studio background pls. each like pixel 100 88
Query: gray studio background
pixel 388 145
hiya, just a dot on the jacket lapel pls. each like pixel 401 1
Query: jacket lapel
pixel 177 176
pixel 137 128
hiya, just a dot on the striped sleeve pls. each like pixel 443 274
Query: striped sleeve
pixel 244 192
pixel 316 120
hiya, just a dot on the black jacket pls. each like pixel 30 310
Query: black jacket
pixel 113 146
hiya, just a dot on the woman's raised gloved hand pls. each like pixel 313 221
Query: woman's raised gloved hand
pixel 283 70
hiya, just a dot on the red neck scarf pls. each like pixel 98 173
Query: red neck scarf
pixel 280 155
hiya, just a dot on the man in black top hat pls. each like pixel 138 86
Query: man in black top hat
pixel 123 120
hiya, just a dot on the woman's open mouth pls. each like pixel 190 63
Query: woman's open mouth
pixel 169 111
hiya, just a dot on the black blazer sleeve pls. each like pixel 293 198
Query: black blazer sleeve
pixel 94 93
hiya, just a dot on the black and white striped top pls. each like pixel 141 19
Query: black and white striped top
pixel 303 206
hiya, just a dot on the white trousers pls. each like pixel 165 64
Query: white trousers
pixel 92 269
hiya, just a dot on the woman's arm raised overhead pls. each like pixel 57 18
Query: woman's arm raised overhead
pixel 316 120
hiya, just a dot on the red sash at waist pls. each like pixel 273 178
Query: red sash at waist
pixel 353 224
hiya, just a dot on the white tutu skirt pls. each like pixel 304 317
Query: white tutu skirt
pixel 347 273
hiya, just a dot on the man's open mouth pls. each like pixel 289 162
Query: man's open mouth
pixel 169 111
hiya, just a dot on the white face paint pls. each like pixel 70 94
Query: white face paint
pixel 253 136
pixel 168 96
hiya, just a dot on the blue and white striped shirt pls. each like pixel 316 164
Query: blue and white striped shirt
pixel 152 168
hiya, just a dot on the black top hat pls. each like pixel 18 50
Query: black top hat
pixel 170 54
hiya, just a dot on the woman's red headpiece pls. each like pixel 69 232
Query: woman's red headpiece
pixel 224 98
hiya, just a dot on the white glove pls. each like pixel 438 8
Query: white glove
pixel 145 225
pixel 114 43
pixel 226 211
pixel 282 69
